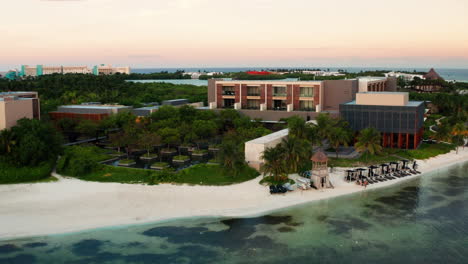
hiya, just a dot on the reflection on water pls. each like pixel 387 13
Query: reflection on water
pixel 422 221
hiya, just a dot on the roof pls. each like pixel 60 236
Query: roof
pixel 94 106
pixel 409 104
pixel 270 137
pixel 319 156
pixel 432 75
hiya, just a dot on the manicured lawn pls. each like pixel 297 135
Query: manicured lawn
pixel 201 174
pixel 364 160
pixel 106 173
pixel 426 151
pixel 208 174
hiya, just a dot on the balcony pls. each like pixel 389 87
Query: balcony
pixel 279 108
pixel 251 107
pixel 307 109
pixel 231 93
pixel 253 94
pixel 306 95
pixel 279 94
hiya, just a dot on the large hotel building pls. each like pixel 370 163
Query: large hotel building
pixel 273 100
pixel 102 69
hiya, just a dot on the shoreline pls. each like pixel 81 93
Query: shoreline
pixel 71 205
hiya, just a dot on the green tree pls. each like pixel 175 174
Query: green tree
pixel 148 140
pixel 35 141
pixel 338 136
pixel 296 150
pixel 368 141
pixel 274 162
pixel 459 132
pixel 87 127
pixel 169 136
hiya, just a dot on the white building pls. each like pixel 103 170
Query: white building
pixel 405 76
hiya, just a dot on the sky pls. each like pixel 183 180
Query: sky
pixel 235 33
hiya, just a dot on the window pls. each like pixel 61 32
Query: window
pixel 253 91
pixel 228 103
pixel 307 92
pixel 228 90
pixel 306 105
pixel 279 105
pixel 279 91
pixel 253 104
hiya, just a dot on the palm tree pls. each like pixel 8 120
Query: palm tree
pixel 459 132
pixel 338 136
pixel 231 155
pixel 274 162
pixel 295 150
pixel 443 132
pixel 6 141
pixel 368 141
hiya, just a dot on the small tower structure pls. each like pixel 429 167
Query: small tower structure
pixel 319 175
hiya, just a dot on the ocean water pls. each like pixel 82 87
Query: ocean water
pixel 446 73
pixel 424 220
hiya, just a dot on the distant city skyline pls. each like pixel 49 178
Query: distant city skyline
pixel 243 33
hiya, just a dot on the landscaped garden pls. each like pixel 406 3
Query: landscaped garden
pixel 172 145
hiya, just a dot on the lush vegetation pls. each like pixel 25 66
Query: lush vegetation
pixel 424 151
pixel 82 163
pixel 294 152
pixel 58 89
pixel 28 151
pixel 13 174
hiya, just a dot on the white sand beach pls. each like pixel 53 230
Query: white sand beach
pixel 73 205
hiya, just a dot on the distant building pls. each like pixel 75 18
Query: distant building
pixel 17 105
pixel 88 111
pixel 273 100
pixel 324 73
pixel 432 75
pixel 399 120
pixel 40 70
pixel 405 76
pixel 432 83
pixel 108 69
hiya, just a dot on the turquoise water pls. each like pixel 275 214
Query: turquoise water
pixel 421 221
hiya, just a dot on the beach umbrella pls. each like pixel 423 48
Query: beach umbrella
pixel 360 172
pixel 348 174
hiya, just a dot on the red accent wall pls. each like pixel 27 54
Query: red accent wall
pixel 317 95
pixel 93 117
pixel 237 90
pixel 289 98
pixel 269 96
pixel 297 91
pixel 219 95
pixel 243 88
pixel 262 93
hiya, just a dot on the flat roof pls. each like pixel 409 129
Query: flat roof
pixel 94 106
pixel 410 103
pixel 283 81
pixel 270 137
pixel 147 108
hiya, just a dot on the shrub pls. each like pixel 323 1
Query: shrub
pixel 77 161
pixel 13 174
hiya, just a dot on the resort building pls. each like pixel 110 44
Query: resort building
pixel 405 76
pixel 17 105
pixel 45 70
pixel 88 111
pixel 273 100
pixel 399 120
pixel 108 69
pixel 433 82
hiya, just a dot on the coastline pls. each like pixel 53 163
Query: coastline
pixel 71 205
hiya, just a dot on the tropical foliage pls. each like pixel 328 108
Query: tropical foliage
pixel 368 141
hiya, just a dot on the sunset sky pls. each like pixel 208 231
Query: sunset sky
pixel 234 33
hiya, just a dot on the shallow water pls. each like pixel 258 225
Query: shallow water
pixel 421 221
